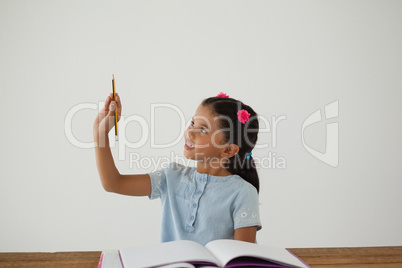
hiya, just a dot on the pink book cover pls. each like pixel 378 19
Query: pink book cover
pixel 100 261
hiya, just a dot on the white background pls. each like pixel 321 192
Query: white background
pixel 283 58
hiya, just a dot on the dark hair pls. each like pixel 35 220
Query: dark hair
pixel 243 135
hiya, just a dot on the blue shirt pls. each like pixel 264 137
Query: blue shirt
pixel 202 207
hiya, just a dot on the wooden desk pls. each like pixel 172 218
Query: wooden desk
pixel 370 257
pixel 381 257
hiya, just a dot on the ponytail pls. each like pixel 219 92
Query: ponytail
pixel 243 135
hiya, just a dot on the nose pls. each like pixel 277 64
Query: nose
pixel 188 134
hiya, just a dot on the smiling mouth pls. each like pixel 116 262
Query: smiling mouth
pixel 191 146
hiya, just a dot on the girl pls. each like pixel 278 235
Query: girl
pixel 216 200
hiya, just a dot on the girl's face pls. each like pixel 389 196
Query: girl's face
pixel 204 137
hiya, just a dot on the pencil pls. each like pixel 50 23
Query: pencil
pixel 116 132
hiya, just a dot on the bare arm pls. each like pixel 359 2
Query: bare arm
pixel 111 179
pixel 247 234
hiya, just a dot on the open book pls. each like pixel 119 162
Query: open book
pixel 217 253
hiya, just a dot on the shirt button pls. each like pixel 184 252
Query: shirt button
pixel 199 192
pixel 192 217
pixel 194 205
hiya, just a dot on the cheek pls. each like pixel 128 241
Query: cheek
pixel 216 140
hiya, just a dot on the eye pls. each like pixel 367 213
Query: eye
pixel 202 129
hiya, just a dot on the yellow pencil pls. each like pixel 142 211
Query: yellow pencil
pixel 115 110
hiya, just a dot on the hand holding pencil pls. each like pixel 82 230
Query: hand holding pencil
pixel 108 116
pixel 116 132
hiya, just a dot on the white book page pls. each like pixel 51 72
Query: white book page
pixel 165 253
pixel 178 265
pixel 225 250
pixel 111 259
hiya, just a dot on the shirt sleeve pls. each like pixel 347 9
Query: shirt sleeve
pixel 246 209
pixel 158 183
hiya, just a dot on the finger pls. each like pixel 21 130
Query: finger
pixel 110 114
pixel 112 107
pixel 112 97
pixel 107 103
pixel 119 107
pixel 118 103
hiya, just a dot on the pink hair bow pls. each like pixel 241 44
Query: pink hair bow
pixel 222 95
pixel 243 116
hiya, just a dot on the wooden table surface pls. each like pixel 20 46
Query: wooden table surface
pixel 382 257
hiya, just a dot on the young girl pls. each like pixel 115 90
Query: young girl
pixel 216 200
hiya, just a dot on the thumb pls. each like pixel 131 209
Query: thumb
pixel 108 122
pixel 112 108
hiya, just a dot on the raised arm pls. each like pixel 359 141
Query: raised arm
pixel 111 179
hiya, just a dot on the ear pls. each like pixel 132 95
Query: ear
pixel 230 150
